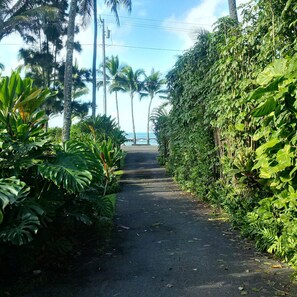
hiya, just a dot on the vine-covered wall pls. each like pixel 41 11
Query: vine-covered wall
pixel 231 132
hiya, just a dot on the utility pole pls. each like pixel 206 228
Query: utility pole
pixel 104 66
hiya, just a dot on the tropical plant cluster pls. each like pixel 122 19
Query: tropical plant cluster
pixel 57 187
pixel 230 136
pixel 53 195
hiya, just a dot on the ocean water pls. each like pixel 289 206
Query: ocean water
pixel 141 138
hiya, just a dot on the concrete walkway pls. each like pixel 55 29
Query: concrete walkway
pixel 167 245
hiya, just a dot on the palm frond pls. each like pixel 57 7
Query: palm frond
pixel 114 5
pixel 21 17
pixel 85 10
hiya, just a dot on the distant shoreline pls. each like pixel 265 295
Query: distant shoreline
pixel 141 138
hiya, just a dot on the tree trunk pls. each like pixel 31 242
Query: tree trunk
pixel 94 76
pixel 117 107
pixel 233 10
pixel 148 121
pixel 133 124
pixel 68 71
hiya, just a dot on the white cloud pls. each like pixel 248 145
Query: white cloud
pixel 203 16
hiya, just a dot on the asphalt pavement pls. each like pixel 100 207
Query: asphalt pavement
pixel 166 244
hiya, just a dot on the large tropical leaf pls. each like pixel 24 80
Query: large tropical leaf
pixel 20 105
pixel 21 221
pixel 69 169
pixel 22 230
pixel 277 68
pixel 266 108
pixel 271 87
pixel 12 190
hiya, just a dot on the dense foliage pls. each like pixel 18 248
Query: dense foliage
pixel 231 133
pixel 50 193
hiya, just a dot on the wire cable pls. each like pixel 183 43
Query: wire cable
pixel 157 20
pixel 147 48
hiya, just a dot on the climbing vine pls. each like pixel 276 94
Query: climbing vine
pixel 232 133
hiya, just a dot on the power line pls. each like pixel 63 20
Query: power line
pixel 166 28
pixel 117 45
pixel 158 20
pixel 148 48
pixel 192 27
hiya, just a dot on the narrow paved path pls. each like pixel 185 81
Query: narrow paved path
pixel 166 245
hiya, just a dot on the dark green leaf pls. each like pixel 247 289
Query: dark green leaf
pixel 265 108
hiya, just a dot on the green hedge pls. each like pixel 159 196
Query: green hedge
pixel 231 131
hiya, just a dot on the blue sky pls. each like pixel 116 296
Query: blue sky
pixel 152 36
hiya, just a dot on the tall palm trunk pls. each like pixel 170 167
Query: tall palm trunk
pixel 117 107
pixel 132 116
pixel 233 10
pixel 148 121
pixel 94 59
pixel 68 71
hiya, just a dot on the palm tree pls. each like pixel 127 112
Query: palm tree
pixel 130 82
pixel 19 16
pixel 114 69
pixel 68 71
pixel 113 5
pixel 45 41
pixel 85 8
pixel 153 86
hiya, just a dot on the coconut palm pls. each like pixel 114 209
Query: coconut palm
pixel 20 16
pixel 85 7
pixel 88 7
pixel 68 71
pixel 130 82
pixel 114 69
pixel 153 86
pixel 45 41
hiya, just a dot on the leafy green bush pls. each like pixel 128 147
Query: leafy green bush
pixel 191 158
pixel 160 119
pixel 23 143
pixel 99 129
pixel 273 223
pixel 105 140
pixel 48 190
